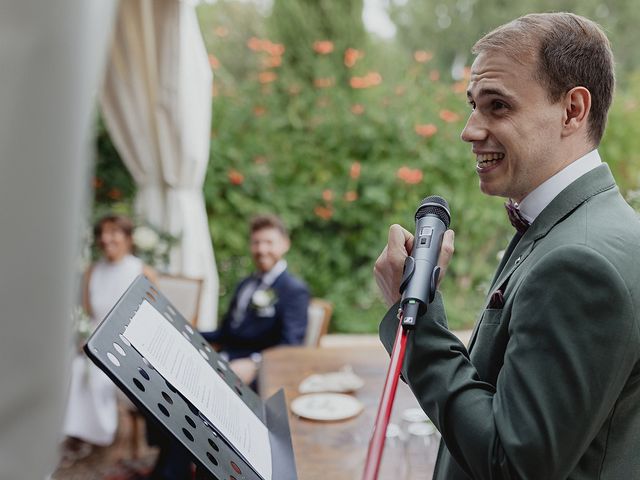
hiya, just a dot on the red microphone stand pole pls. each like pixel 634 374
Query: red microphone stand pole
pixel 376 444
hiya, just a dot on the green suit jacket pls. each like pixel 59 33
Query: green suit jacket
pixel 549 387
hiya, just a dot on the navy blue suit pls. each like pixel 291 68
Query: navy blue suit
pixel 282 323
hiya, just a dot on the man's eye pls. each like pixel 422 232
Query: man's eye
pixel 498 105
pixel 472 104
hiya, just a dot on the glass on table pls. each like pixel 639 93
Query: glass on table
pixel 393 465
pixel 420 450
pixel 412 415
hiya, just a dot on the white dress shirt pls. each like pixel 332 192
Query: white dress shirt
pixel 543 194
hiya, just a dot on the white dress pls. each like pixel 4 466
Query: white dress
pixel 92 410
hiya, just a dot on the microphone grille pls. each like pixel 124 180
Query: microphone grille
pixel 436 206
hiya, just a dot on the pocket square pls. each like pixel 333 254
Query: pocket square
pixel 497 299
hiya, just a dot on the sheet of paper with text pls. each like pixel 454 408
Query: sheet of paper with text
pixel 176 359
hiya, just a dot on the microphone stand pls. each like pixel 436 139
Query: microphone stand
pixel 376 444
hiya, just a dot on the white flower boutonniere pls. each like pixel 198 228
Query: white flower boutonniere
pixel 263 298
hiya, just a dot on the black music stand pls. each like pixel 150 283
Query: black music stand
pixel 215 457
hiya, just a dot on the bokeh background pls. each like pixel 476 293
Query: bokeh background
pixel 342 126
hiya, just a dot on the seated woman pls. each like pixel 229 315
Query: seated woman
pixel 92 416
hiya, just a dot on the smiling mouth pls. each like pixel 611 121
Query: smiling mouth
pixel 487 160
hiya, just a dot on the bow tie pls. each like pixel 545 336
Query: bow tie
pixel 515 217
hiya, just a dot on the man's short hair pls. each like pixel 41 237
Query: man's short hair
pixel 268 220
pixel 569 50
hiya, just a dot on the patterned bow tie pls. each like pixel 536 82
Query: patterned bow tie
pixel 515 217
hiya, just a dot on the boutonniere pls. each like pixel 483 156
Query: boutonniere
pixel 263 298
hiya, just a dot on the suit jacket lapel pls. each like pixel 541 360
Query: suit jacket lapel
pixel 596 181
pixel 279 279
pixel 505 258
pixel 503 262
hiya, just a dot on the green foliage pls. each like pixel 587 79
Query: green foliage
pixel 341 161
pixel 299 24
pixel 113 186
pixel 621 143
pixel 343 135
pixel 451 27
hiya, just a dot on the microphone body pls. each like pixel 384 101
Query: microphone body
pixel 421 271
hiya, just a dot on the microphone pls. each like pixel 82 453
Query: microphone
pixel 421 272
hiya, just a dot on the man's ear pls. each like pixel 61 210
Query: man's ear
pixel 577 103
pixel 286 244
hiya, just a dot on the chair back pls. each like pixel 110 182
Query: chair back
pixel 183 293
pixel 319 315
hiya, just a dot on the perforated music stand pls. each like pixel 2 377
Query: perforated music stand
pixel 216 458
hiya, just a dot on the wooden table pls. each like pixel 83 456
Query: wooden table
pixel 337 450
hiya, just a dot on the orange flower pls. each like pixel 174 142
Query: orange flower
pixel 422 56
pixel 254 44
pixel 434 75
pixel 351 56
pixel 323 47
pixel 323 212
pixel 409 175
pixel 327 195
pixel 416 176
pixel 324 82
pixel 357 82
pixel 97 182
pixel 449 116
pixel 259 45
pixel 214 62
pixel 460 87
pixel 354 172
pixel 374 78
pixel 114 194
pixel 235 177
pixel 274 49
pixel 371 79
pixel 267 77
pixel 272 62
pixel 259 110
pixel 221 31
pixel 351 196
pixel 426 130
pixel 357 109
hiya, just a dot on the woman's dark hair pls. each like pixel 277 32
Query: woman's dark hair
pixel 122 222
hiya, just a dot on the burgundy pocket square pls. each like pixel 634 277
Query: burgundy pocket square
pixel 497 299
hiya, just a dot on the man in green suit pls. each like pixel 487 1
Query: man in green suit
pixel 549 386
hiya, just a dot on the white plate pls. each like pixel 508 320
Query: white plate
pixel 337 382
pixel 326 406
